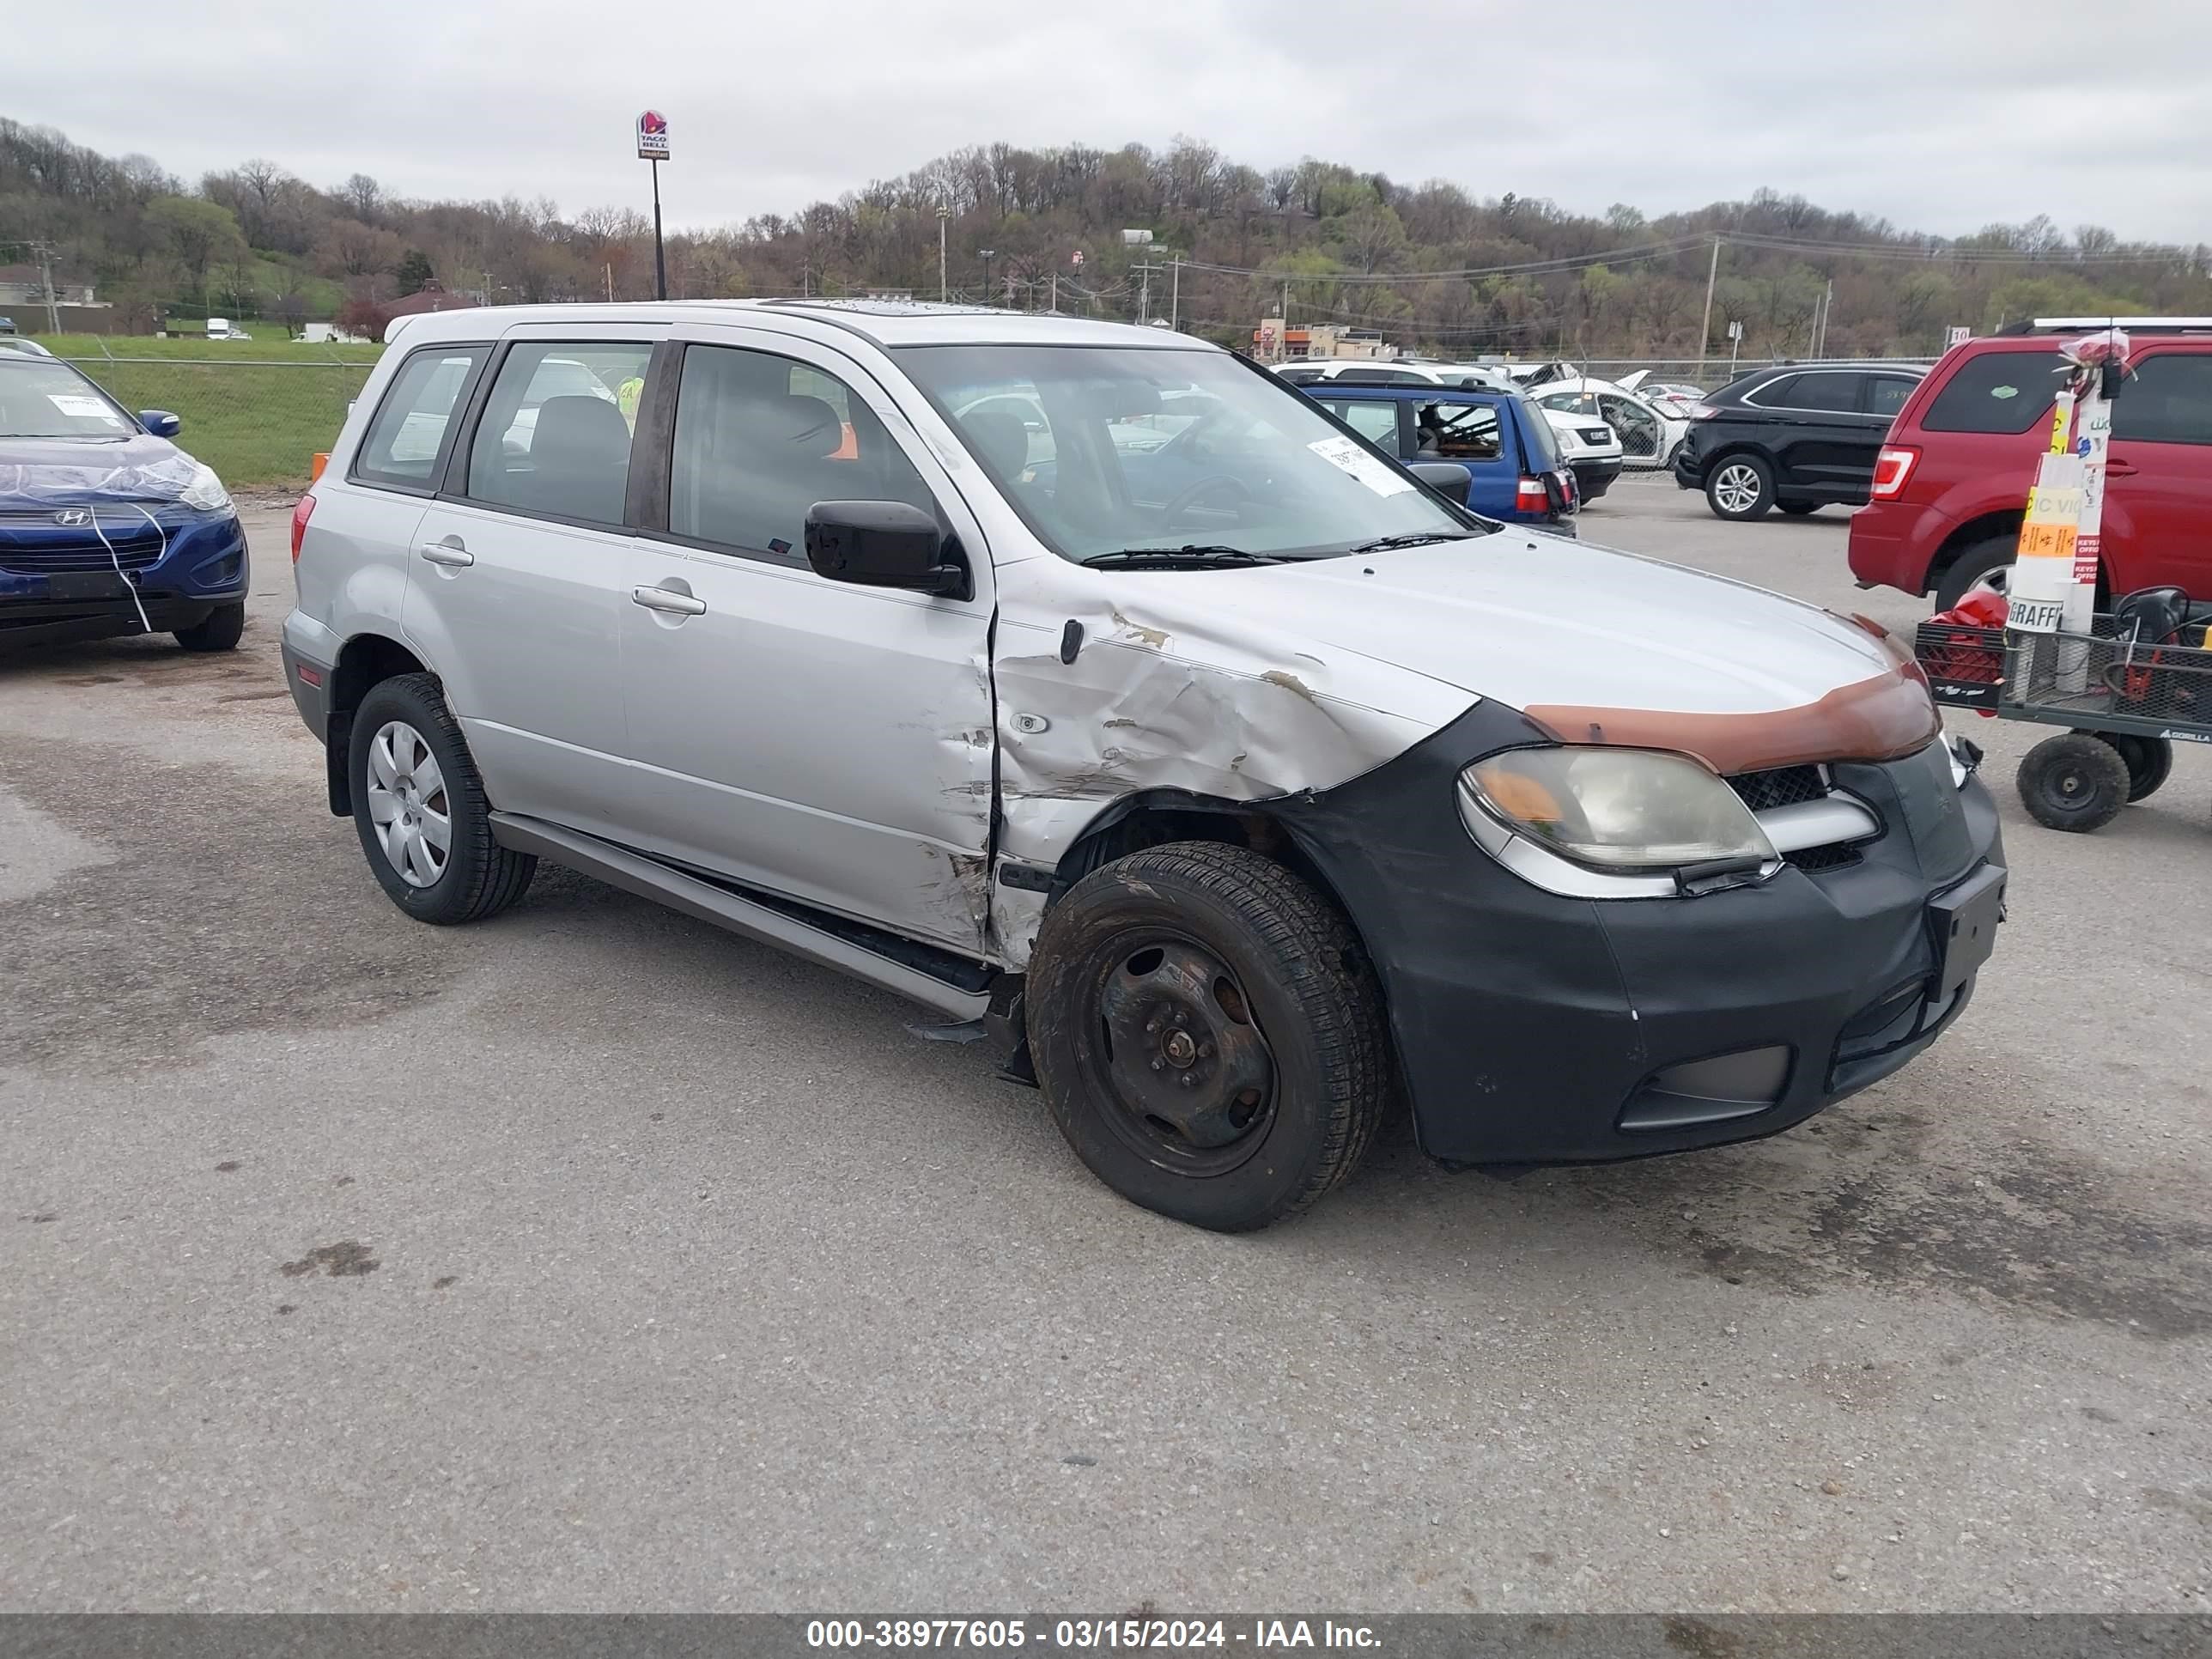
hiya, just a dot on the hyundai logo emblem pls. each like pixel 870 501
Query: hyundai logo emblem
pixel 74 515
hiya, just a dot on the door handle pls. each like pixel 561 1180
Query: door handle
pixel 663 598
pixel 2119 469
pixel 446 553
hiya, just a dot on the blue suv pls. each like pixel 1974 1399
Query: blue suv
pixel 1515 473
pixel 106 526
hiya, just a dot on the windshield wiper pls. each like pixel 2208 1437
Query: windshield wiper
pixel 1384 544
pixel 1193 554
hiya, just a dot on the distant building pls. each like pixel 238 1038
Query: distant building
pixel 21 285
pixel 429 299
pixel 1275 342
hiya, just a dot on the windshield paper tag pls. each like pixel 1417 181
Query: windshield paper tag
pixel 1343 453
pixel 83 408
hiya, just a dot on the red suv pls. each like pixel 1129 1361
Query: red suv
pixel 1952 478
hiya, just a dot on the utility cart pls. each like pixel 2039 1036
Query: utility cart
pixel 2125 701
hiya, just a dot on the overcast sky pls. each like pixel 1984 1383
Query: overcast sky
pixel 1941 115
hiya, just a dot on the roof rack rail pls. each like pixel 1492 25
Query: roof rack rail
pixel 2090 324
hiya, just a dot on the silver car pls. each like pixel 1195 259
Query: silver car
pixel 1093 688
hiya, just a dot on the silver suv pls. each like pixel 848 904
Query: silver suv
pixel 1089 684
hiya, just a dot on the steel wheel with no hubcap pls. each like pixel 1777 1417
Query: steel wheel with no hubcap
pixel 1190 1079
pixel 408 804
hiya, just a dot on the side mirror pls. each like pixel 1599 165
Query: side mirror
pixel 160 423
pixel 883 544
pixel 1448 478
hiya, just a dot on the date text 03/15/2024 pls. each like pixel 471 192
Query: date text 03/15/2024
pixel 1088 1634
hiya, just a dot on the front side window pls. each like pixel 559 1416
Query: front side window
pixel 1638 426
pixel 555 434
pixel 1250 464
pixel 404 442
pixel 1887 394
pixel 760 439
pixel 42 398
pixel 2168 400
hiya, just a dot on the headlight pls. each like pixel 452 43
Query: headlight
pixel 205 491
pixel 1628 810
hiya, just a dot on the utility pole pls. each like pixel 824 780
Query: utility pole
pixel 986 253
pixel 1054 306
pixel 1175 294
pixel 46 281
pixel 660 256
pixel 1706 329
pixel 944 287
pixel 1827 311
pixel 1144 294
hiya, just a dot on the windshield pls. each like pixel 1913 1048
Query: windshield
pixel 1108 450
pixel 42 398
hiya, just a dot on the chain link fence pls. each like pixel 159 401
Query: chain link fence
pixel 258 423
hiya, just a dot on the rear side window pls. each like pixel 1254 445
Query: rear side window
pixel 1831 393
pixel 409 433
pixel 1375 421
pixel 1998 392
pixel 2168 400
pixel 1775 394
pixel 760 439
pixel 554 438
pixel 1449 431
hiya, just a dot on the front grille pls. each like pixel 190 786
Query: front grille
pixel 32 543
pixel 131 552
pixel 1784 785
pixel 1814 859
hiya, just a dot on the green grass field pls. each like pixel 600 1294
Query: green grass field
pixel 255 411
pixel 268 345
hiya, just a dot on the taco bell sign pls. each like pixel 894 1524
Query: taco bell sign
pixel 653 136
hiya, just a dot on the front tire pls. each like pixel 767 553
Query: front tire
pixel 1740 488
pixel 219 630
pixel 2077 782
pixel 419 807
pixel 1208 1034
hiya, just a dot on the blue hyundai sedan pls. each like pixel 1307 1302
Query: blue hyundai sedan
pixel 106 526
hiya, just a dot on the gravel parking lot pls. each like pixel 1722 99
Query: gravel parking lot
pixel 594 1259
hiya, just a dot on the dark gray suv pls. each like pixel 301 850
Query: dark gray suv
pixel 1797 436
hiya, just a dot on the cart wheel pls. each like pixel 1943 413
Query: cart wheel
pixel 2076 782
pixel 2150 760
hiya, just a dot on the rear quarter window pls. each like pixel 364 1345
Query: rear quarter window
pixel 1999 392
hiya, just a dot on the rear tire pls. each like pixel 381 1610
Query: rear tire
pixel 2077 782
pixel 219 630
pixel 420 809
pixel 1740 488
pixel 1799 509
pixel 1208 1034
pixel 1986 557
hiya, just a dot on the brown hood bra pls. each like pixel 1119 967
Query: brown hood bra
pixel 1874 719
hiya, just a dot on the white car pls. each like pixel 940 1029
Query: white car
pixel 1648 431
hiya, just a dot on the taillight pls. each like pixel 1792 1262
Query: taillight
pixel 1891 468
pixel 1532 497
pixel 300 514
pixel 1703 411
